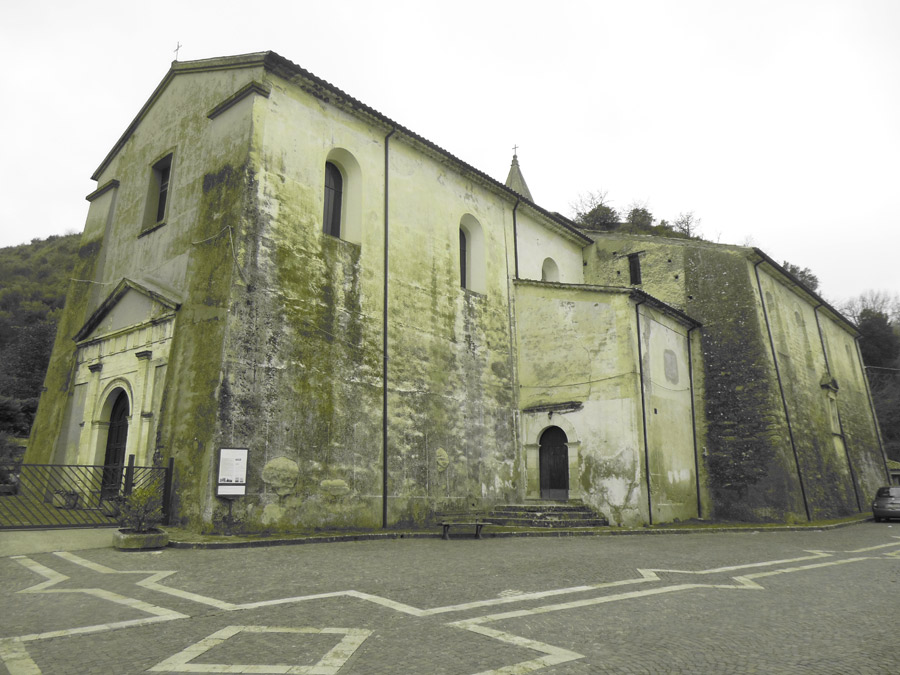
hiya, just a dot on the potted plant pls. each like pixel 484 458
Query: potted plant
pixel 139 514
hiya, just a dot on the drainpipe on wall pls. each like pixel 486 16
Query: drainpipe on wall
pixel 516 238
pixel 859 504
pixel 511 291
pixel 865 377
pixel 384 370
pixel 694 420
pixel 637 313
pixel 787 415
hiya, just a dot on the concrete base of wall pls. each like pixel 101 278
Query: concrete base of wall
pixel 26 542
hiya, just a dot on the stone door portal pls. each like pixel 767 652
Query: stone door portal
pixel 554 456
pixel 115 446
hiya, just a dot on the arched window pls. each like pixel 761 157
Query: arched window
pixel 342 212
pixel 549 270
pixel 472 274
pixel 463 274
pixel 334 198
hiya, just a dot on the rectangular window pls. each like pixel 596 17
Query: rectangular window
pixel 163 193
pixel 158 194
pixel 634 268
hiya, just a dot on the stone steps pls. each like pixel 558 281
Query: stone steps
pixel 546 514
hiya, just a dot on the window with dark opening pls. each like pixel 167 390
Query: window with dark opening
pixel 334 191
pixel 634 268
pixel 158 194
pixel 462 258
pixel 163 189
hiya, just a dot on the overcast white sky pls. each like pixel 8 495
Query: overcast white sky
pixel 776 122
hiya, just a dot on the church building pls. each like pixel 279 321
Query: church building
pixel 270 264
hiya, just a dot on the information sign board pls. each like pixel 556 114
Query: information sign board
pixel 232 480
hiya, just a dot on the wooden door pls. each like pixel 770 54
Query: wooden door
pixel 116 441
pixel 554 453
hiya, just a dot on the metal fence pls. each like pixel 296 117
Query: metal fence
pixel 63 495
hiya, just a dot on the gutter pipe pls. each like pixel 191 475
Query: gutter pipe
pixel 637 313
pixel 516 238
pixel 384 329
pixel 694 420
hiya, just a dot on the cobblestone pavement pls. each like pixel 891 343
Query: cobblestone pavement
pixel 769 602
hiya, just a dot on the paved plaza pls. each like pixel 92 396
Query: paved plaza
pixel 766 602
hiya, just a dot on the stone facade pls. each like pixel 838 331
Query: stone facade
pixel 420 360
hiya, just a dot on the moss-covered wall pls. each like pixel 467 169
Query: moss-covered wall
pixel 668 413
pixel 749 459
pixel 302 384
pixel 662 263
pixel 190 255
pixel 277 343
pixel 856 419
pixel 49 441
pixel 579 370
pixel 755 467
pixel 803 369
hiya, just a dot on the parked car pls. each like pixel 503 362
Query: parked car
pixel 886 504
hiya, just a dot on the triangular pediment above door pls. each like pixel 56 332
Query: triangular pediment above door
pixel 132 303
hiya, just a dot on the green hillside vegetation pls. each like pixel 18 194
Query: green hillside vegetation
pixel 34 279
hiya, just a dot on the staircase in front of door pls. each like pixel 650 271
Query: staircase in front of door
pixel 546 514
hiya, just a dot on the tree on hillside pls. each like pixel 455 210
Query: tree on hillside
pixel 879 344
pixel 639 217
pixel 594 212
pixel 687 224
pixel 34 279
pixel 883 302
pixel 804 274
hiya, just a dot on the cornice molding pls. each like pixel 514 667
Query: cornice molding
pixel 238 96
pixel 103 189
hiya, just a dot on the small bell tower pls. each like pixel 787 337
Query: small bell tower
pixel 515 180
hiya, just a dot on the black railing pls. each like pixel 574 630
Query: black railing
pixel 64 495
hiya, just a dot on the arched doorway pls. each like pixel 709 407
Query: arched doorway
pixel 116 441
pixel 554 457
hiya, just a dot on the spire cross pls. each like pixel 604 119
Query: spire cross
pixel 177 47
pixel 515 147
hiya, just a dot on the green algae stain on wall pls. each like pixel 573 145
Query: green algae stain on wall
pixel 303 365
pixel 196 384
pixel 43 446
pixel 747 458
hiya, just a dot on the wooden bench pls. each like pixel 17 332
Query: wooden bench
pixel 478 524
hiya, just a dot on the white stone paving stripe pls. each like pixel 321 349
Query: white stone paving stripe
pixel 576 604
pixel 15 657
pixel 552 655
pixel 329 664
pixel 731 568
pixel 803 568
pixel 874 548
